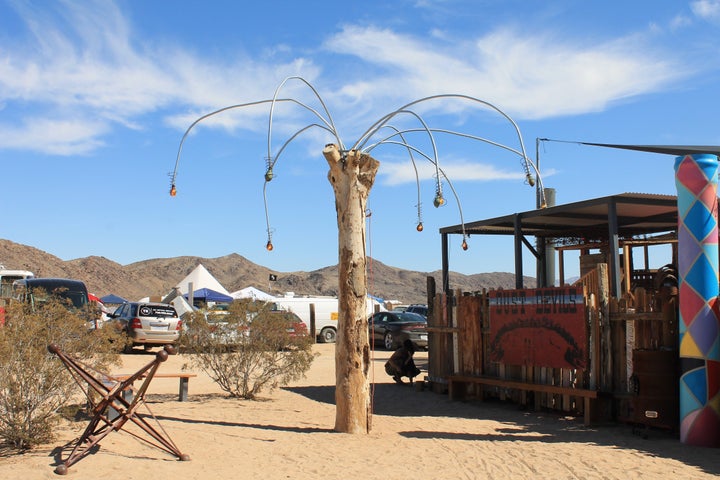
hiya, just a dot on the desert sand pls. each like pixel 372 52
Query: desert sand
pixel 415 434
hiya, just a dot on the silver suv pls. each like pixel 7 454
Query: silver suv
pixel 147 324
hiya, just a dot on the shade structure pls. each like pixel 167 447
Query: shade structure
pixel 208 295
pixel 112 298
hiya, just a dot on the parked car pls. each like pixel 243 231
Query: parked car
pixel 231 333
pixel 418 308
pixel 147 324
pixel 295 327
pixel 392 328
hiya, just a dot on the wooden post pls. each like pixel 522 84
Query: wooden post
pixel 605 364
pixel 313 329
pixel 351 175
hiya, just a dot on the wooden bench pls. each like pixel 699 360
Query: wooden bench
pixel 457 390
pixel 184 381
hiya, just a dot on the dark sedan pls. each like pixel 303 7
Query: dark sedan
pixel 392 328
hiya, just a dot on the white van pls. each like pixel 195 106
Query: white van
pixel 326 312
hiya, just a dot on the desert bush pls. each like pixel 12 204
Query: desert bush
pixel 247 350
pixel 34 383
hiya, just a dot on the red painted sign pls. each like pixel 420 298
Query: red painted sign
pixel 544 327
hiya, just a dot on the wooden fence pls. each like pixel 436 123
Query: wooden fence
pixel 620 342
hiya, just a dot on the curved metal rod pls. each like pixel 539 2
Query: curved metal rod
pixel 417 176
pixel 452 188
pixel 224 109
pixel 329 122
pixel 306 127
pixel 436 162
pixel 267 218
pixel 269 175
pixel 377 125
pixel 200 119
pixel 528 160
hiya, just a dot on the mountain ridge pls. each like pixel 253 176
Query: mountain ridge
pixel 157 276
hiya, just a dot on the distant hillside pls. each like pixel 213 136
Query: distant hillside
pixel 158 276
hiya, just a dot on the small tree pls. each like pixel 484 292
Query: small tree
pixel 34 384
pixel 249 349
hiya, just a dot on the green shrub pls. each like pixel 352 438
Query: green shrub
pixel 247 350
pixel 34 384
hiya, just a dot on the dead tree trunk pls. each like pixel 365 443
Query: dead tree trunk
pixel 352 175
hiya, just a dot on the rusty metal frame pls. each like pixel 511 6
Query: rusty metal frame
pixel 111 392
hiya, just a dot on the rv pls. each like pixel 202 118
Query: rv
pixel 29 290
pixel 326 312
pixel 7 277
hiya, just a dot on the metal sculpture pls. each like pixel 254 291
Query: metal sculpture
pixel 114 408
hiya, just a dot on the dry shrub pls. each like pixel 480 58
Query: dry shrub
pixel 34 384
pixel 247 350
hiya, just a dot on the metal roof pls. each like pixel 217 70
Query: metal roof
pixel 636 213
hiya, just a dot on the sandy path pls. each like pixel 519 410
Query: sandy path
pixel 416 434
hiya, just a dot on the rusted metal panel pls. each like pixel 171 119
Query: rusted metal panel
pixel 543 327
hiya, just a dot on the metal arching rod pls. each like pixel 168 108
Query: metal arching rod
pixel 452 188
pixel 330 123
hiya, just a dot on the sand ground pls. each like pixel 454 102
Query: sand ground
pixel 415 434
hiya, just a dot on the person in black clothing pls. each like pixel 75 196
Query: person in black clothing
pixel 401 363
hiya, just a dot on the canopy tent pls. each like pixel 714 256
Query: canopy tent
pixel 112 298
pixel 200 278
pixel 253 293
pixel 208 295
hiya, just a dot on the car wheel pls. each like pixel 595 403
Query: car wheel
pixel 389 341
pixel 328 335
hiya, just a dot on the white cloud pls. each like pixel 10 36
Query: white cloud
pixel 396 173
pixel 55 136
pixel 530 76
pixel 706 9
pixel 679 22
pixel 88 65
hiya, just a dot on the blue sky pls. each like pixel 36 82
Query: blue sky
pixel 96 95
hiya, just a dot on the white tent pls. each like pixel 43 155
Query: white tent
pixel 200 278
pixel 254 293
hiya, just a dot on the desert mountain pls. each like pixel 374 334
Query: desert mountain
pixel 158 276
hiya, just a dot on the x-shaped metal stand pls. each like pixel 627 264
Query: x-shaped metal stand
pixel 112 400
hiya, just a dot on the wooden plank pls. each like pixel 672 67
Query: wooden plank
pixel 514 384
pixel 457 386
pixel 184 380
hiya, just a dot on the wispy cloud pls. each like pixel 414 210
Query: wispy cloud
pixel 532 76
pixel 89 67
pixel 396 173
pixel 706 9
pixel 82 61
pixel 55 136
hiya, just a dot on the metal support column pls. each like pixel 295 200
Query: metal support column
pixel 518 252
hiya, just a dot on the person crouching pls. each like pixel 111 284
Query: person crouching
pixel 401 363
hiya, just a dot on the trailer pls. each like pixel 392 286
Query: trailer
pixel 326 312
